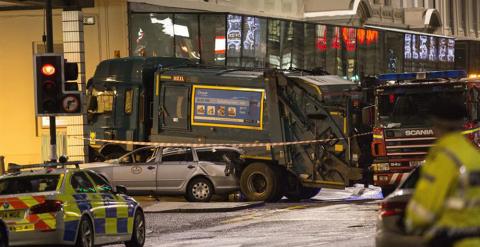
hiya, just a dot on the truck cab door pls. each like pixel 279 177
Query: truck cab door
pixel 174 107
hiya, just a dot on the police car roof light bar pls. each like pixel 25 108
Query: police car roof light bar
pixel 12 168
pixel 447 74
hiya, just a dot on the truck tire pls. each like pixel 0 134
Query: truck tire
pixel 259 182
pixel 302 193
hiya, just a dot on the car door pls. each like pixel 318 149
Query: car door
pixel 137 171
pixel 175 169
pixel 112 217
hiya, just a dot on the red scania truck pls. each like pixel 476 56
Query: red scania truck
pixel 402 132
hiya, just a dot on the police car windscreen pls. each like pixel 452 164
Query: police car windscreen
pixel 29 184
pixel 411 109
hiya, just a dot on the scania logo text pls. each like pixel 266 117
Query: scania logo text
pixel 419 132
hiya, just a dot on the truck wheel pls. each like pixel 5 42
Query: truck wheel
pixel 199 190
pixel 302 193
pixel 259 182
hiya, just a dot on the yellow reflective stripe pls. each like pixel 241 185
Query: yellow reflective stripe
pixel 49 219
pixel 378 136
pixel 60 182
pixel 466 132
pixel 130 225
pixel 122 210
pixel 421 212
pixel 111 225
pixel 29 200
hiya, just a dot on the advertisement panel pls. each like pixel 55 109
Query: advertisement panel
pixel 229 107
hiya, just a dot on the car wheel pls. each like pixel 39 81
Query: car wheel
pixel 138 234
pixel 86 236
pixel 259 182
pixel 199 190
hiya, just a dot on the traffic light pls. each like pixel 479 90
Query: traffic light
pixel 52 98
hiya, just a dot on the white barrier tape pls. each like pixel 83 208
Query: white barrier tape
pixel 198 145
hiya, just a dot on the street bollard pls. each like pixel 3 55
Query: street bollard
pixel 2 165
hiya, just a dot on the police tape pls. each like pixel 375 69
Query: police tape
pixel 239 145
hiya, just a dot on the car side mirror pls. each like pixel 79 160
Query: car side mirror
pixel 120 189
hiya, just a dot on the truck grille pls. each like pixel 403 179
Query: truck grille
pixel 401 146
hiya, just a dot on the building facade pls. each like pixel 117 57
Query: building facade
pixel 351 38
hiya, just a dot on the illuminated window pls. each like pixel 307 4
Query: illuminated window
pixel 128 101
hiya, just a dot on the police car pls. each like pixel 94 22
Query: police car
pixel 56 205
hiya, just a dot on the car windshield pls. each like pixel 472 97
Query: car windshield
pixel 410 109
pixel 411 179
pixel 29 184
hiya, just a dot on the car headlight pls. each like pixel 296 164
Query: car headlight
pixel 417 163
pixel 381 167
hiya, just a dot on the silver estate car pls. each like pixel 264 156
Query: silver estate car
pixel 390 227
pixel 196 173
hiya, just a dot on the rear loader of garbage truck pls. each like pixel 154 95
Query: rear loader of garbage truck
pixel 294 128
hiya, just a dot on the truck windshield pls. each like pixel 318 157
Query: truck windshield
pixel 410 110
pixel 100 101
pixel 29 184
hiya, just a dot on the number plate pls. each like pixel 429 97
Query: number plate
pixel 22 228
pixel 10 215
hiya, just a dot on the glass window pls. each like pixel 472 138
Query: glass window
pixel 348 52
pixel 254 42
pixel 101 184
pixel 81 183
pixel 174 107
pixel 273 43
pixel 151 35
pixel 185 29
pixel 334 51
pixel 181 155
pixel 212 39
pixel 280 42
pixel 217 155
pixel 234 39
pixel 321 47
pixel 298 46
pixel 286 40
pixel 29 184
pixel 128 101
pixel 394 52
pixel 309 40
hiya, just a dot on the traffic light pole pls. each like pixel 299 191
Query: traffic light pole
pixel 49 34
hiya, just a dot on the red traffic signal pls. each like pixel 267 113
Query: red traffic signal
pixel 48 69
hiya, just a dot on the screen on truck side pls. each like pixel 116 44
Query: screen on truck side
pixel 402 107
pixel 228 107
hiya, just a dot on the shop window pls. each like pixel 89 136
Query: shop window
pixel 394 52
pixel 212 39
pixel 254 42
pixel 234 39
pixel 298 45
pixel 152 35
pixel 321 47
pixel 309 40
pixel 348 53
pixel 185 29
pixel 273 43
pixel 286 40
